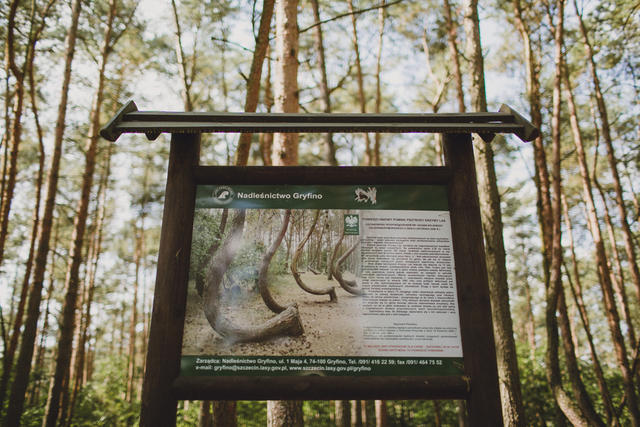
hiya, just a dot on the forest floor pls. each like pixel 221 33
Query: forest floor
pixel 331 329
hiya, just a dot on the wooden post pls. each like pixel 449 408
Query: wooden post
pixel 159 407
pixel 478 344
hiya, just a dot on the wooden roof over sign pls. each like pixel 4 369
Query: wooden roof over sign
pixel 153 123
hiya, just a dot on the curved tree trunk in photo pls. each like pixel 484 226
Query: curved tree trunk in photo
pixel 286 323
pixel 330 290
pixel 201 270
pixel 348 285
pixel 264 268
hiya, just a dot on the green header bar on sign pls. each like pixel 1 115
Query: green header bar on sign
pixel 374 197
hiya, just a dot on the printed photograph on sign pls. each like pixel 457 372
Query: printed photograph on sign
pixel 326 280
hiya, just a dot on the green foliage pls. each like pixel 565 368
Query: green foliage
pixel 252 413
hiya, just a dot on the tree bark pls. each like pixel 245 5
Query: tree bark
pixel 11 347
pixel 23 366
pixel 284 413
pixel 368 156
pixel 255 76
pixel 286 323
pixel 330 149
pixel 224 414
pixel 67 325
pixel 511 395
pixel 382 413
pixel 343 413
pixel 263 284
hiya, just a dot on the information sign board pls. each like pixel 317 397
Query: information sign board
pixel 396 315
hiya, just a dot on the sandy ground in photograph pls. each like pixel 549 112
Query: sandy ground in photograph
pixel 330 329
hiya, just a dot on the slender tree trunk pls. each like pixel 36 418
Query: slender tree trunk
pixel 577 294
pixel 224 414
pixel 266 139
pixel 511 395
pixel 11 347
pixel 182 65
pixel 23 367
pixel 368 157
pixel 16 129
pixel 601 257
pixel 255 76
pixel 376 143
pixel 455 58
pixel 382 413
pixel 356 413
pixel 632 403
pixel 329 146
pixel 67 324
pixel 285 153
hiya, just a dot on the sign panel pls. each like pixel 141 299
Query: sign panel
pixel 385 249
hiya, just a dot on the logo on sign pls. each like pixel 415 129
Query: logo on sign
pixel 223 195
pixel 368 195
pixel 351 225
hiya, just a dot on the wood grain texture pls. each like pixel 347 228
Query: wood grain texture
pixel 321 388
pixel 483 403
pixel 159 406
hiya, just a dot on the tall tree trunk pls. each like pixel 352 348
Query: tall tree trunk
pixel 23 366
pixel 454 57
pixel 564 401
pixel 613 165
pixel 356 413
pixel 255 76
pixel 329 145
pixel 67 324
pixel 185 78
pixel 577 294
pixel 16 129
pixel 368 157
pixel 11 347
pixel 511 395
pixel 602 260
pixel 285 153
pixel 224 414
pixel 382 413
pixel 266 139
pixel 95 251
pixel 376 143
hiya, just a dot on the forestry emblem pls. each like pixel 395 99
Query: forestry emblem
pixel 223 195
pixel 366 195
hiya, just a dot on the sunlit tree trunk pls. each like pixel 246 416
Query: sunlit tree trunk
pixel 329 146
pixel 577 294
pixel 368 157
pixel 382 413
pixel 67 323
pixel 376 143
pixel 343 413
pixel 511 395
pixel 12 345
pixel 255 76
pixel 15 135
pixel 23 366
pixel 185 77
pixel 602 260
pixel 632 404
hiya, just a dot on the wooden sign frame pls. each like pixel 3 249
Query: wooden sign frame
pixel 163 385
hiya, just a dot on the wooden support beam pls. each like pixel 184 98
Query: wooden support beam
pixel 476 326
pixel 159 406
